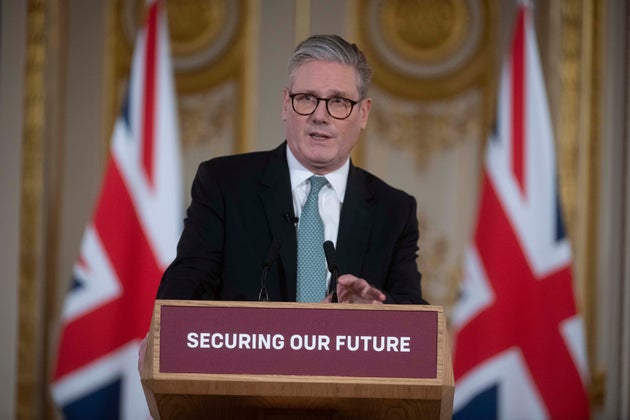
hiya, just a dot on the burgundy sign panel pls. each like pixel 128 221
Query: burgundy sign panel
pixel 298 341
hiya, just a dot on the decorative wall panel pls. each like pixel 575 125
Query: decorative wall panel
pixel 433 77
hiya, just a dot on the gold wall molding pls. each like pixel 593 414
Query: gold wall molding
pixel 42 150
pixel 580 119
pixel 31 225
pixel 302 20
pixel 573 36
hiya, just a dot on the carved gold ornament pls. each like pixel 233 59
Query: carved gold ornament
pixel 425 48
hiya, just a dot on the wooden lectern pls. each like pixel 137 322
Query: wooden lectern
pixel 244 360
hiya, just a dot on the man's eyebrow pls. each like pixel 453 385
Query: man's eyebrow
pixel 331 94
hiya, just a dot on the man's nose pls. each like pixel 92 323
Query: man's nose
pixel 321 112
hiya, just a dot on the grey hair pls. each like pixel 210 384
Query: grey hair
pixel 335 49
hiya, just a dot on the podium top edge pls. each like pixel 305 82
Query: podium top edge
pixel 297 305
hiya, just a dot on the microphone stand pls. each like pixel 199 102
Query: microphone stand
pixel 263 296
pixel 331 260
pixel 333 284
pixel 272 254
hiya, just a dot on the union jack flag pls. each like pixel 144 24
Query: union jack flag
pixel 519 344
pixel 126 246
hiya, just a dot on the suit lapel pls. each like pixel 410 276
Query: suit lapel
pixel 277 200
pixel 355 224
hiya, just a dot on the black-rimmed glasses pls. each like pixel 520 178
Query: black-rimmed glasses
pixel 338 107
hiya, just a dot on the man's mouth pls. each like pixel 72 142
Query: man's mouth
pixel 319 136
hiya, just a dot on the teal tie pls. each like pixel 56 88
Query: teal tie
pixel 311 263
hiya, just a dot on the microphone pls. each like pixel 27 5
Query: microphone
pixel 331 260
pixel 272 254
pixel 291 219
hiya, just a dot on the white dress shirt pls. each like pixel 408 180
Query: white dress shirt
pixel 330 196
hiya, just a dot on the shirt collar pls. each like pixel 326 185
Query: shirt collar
pixel 299 174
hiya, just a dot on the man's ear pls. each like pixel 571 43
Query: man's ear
pixel 364 110
pixel 286 104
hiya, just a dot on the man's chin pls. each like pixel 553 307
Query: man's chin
pixel 323 166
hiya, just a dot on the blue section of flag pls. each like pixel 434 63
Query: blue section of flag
pixel 482 407
pixel 560 229
pixel 76 283
pixel 124 113
pixel 104 404
pixel 494 132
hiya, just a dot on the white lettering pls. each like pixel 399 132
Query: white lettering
pixel 322 342
pixel 258 341
pixel 244 340
pixel 192 340
pixel 204 339
pixel 278 342
pixel 340 341
pixel 392 344
pixel 310 342
pixel 296 342
pixel 217 341
pixel 263 341
pixel 228 344
pixel 353 343
pixel 372 343
pixel 365 340
pixel 379 343
pixel 404 344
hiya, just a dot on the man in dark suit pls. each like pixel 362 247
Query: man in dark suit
pixel 243 204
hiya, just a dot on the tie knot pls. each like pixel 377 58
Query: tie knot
pixel 317 182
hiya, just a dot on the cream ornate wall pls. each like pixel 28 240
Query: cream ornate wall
pixel 433 67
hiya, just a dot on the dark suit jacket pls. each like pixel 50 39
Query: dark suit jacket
pixel 241 203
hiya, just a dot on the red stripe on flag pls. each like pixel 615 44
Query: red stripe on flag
pixel 519 110
pixel 126 317
pixel 148 118
pixel 526 313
